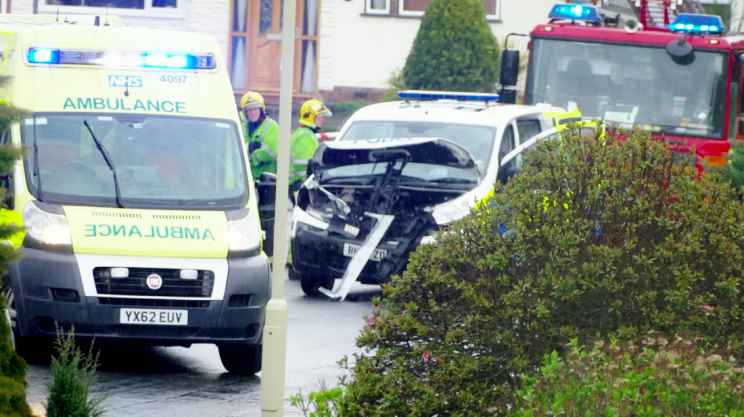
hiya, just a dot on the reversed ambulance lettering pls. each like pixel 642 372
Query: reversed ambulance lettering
pixel 154 106
pixel 157 232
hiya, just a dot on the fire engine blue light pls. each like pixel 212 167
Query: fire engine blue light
pixel 697 24
pixel 575 12
pixel 43 56
pixel 445 95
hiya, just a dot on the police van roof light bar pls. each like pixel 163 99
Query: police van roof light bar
pixel 418 95
pixel 122 59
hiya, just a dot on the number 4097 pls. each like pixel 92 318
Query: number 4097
pixel 178 79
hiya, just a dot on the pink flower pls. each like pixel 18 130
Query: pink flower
pixel 707 309
pixel 371 322
pixel 438 357
pixel 426 357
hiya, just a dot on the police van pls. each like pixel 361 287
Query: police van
pixel 139 216
pixel 419 163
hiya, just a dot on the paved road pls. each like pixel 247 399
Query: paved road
pixel 192 382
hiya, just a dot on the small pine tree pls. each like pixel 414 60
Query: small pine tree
pixel 454 49
pixel 12 367
pixel 73 373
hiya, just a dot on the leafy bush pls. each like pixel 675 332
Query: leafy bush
pixel 12 367
pixel 395 83
pixel 73 372
pixel 652 377
pixel 322 403
pixel 591 240
pixel 733 171
pixel 454 49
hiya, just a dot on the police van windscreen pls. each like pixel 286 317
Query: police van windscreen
pixel 160 162
pixel 631 85
pixel 476 139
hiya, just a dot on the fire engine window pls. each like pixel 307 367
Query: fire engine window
pixel 630 85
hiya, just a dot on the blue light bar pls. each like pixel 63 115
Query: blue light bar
pixel 698 24
pixel 43 56
pixel 445 95
pixel 575 12
pixel 121 59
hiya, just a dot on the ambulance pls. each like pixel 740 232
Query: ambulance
pixel 140 221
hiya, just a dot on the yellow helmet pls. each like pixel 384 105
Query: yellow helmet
pixel 252 99
pixel 312 108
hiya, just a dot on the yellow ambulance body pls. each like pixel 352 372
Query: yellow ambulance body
pixel 140 219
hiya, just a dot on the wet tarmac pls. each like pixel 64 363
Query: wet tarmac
pixel 186 382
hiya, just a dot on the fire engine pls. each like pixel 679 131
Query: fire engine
pixel 680 80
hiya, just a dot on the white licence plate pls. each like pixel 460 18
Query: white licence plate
pixel 154 317
pixel 377 255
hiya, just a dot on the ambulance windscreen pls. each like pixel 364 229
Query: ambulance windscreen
pixel 161 162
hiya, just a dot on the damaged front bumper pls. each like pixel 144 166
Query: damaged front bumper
pixel 318 251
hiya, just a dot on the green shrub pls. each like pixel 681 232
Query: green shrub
pixel 324 402
pixel 454 49
pixel 733 171
pixel 591 240
pixel 12 367
pixel 651 377
pixel 73 373
pixel 395 83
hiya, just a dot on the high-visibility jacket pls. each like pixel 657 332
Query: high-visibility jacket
pixel 263 159
pixel 303 145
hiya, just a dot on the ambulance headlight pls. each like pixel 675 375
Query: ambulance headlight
pixel 44 227
pixel 244 233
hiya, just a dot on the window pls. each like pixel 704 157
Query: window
pixel 507 142
pixel 155 8
pixel 528 128
pixel 377 6
pixel 632 85
pixel 418 7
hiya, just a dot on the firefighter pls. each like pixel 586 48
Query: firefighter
pixel 304 143
pixel 261 133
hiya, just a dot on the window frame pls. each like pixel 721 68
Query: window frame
pixel 409 13
pixel 148 11
pixel 369 10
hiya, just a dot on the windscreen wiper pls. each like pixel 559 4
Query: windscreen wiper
pixel 37 172
pixel 108 160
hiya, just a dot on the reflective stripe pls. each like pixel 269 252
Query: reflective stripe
pixel 266 127
pixel 268 151
pixel 296 174
pixel 257 156
pixel 300 161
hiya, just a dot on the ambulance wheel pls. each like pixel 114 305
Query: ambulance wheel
pixel 241 359
pixel 30 349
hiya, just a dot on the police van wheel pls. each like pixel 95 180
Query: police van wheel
pixel 241 359
pixel 311 283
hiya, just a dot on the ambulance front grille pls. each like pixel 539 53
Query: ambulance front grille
pixel 152 302
pixel 172 283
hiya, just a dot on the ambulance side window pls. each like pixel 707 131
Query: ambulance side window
pixel 6 137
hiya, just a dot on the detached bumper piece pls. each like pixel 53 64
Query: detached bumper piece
pixel 361 257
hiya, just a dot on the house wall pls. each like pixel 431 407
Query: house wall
pixel 211 17
pixel 361 52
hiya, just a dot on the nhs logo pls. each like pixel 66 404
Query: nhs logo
pixel 125 81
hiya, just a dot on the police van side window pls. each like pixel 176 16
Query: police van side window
pixel 507 142
pixel 528 128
